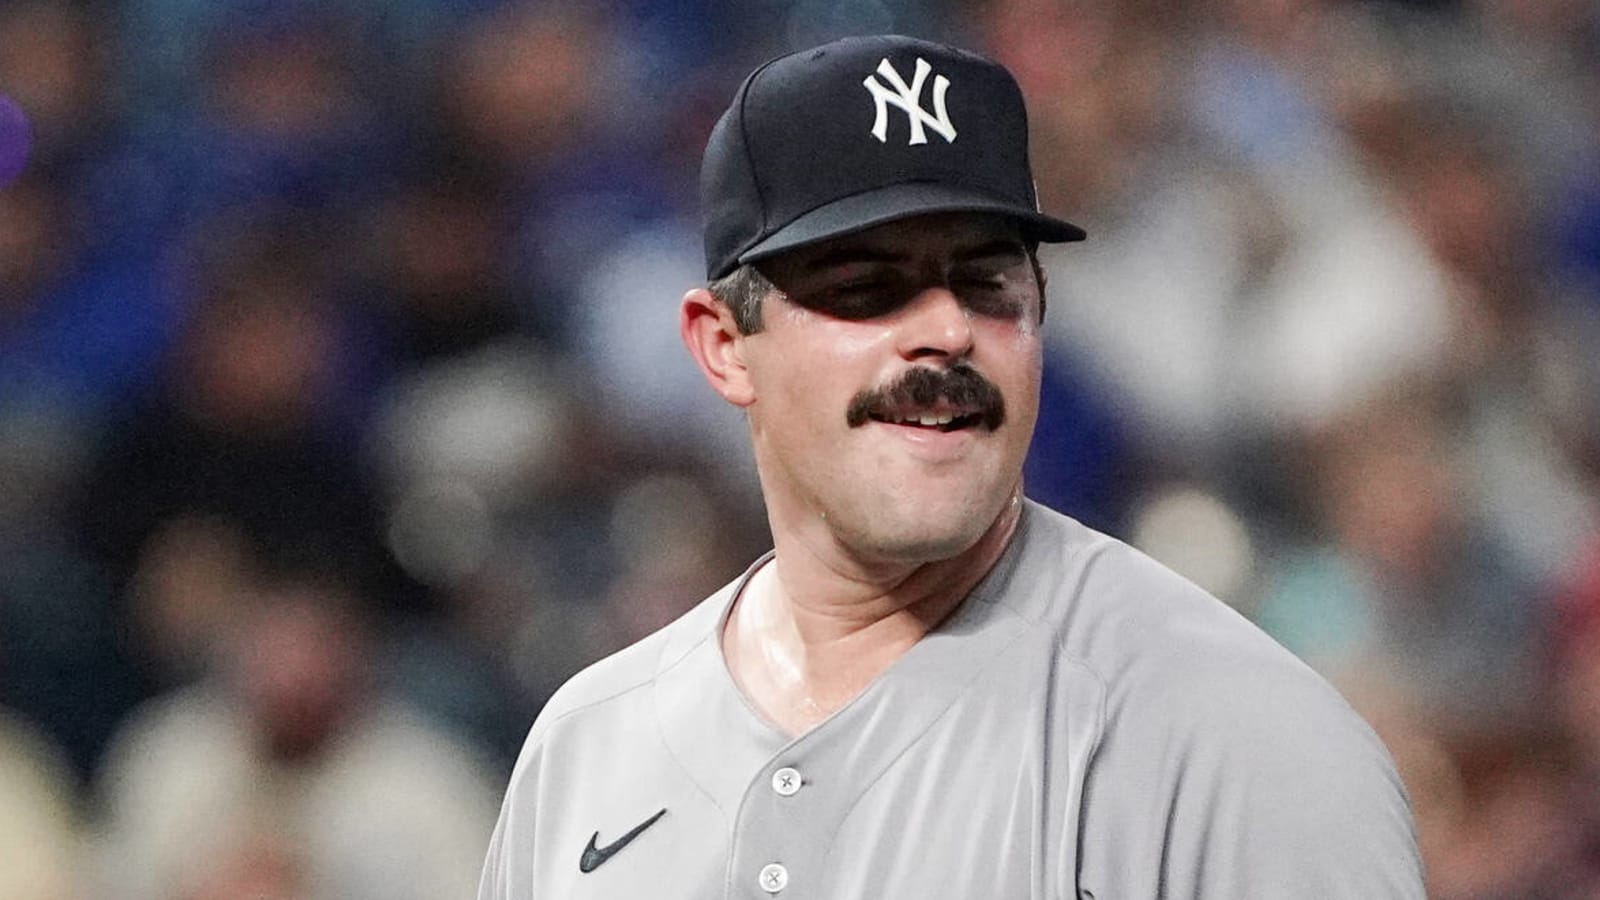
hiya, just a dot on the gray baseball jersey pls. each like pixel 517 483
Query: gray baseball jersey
pixel 1087 724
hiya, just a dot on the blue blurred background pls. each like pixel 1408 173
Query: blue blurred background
pixel 342 411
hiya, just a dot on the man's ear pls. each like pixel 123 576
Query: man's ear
pixel 708 330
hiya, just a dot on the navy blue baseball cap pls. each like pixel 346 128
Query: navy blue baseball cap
pixel 860 132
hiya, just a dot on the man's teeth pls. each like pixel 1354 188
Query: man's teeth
pixel 925 419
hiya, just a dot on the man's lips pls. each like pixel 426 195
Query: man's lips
pixel 945 399
pixel 943 421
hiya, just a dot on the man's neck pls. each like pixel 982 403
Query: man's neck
pixel 808 634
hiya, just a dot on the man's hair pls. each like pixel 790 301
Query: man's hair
pixel 744 289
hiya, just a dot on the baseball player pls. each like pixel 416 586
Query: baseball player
pixel 931 687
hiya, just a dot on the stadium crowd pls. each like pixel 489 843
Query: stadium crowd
pixel 343 415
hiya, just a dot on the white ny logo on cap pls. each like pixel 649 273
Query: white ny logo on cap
pixel 909 98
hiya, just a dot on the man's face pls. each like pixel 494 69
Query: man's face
pixel 896 384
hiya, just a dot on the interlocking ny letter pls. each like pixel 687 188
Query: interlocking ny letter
pixel 909 98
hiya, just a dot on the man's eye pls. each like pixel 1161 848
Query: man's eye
pixel 858 286
pixel 986 293
pixel 996 296
pixel 983 283
pixel 862 298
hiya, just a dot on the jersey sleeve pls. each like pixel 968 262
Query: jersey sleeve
pixel 495 883
pixel 1243 781
pixel 508 865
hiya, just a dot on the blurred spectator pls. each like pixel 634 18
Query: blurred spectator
pixel 1406 585
pixel 1448 174
pixel 53 64
pixel 1576 657
pixel 1575 704
pixel 436 281
pixel 532 514
pixel 80 322
pixel 1187 227
pixel 490 500
pixel 1492 801
pixel 189 570
pixel 61 665
pixel 284 771
pixel 525 119
pixel 466 443
pixel 236 456
pixel 246 425
pixel 39 840
pixel 33 240
pixel 269 109
pixel 566 142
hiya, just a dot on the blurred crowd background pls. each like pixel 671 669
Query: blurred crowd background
pixel 343 415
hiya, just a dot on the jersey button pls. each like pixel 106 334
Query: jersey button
pixel 786 782
pixel 774 877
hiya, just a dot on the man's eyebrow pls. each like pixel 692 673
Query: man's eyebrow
pixel 997 247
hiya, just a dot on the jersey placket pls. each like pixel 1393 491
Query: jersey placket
pixel 780 835
pixel 796 807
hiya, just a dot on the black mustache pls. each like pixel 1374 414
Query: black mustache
pixel 960 386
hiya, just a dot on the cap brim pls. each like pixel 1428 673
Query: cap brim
pixel 901 201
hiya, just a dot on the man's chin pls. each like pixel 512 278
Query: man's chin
pixel 918 552
pixel 922 541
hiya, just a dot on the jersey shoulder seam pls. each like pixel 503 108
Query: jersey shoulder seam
pixel 1078 552
pixel 644 681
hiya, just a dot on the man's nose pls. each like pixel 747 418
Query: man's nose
pixel 935 324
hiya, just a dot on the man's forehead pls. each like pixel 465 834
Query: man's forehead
pixel 954 235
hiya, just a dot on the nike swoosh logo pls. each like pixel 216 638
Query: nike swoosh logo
pixel 593 856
